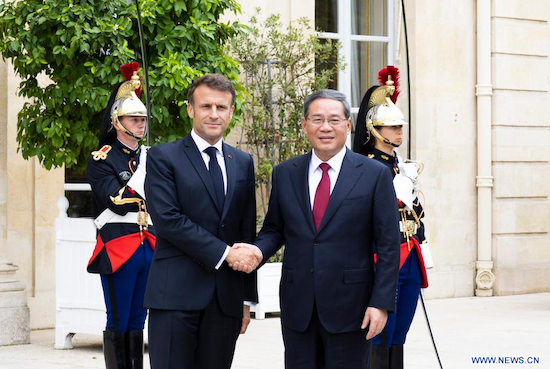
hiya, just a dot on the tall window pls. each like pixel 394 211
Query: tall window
pixel 365 28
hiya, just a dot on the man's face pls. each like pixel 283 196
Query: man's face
pixel 136 125
pixel 392 133
pixel 326 127
pixel 211 113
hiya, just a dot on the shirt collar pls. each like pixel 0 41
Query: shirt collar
pixel 134 150
pixel 335 162
pixel 203 145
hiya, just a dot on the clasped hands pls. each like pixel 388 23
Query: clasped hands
pixel 244 257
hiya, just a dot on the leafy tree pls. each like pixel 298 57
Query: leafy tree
pixel 80 44
pixel 280 67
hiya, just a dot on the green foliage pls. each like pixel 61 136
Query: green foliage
pixel 273 106
pixel 79 46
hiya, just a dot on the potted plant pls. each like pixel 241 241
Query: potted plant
pixel 280 67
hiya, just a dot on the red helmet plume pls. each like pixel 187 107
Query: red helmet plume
pixel 392 71
pixel 128 71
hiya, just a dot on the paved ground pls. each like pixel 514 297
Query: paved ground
pixel 507 328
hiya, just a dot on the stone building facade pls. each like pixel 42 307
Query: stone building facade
pixel 480 117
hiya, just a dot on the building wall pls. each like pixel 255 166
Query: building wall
pixel 288 9
pixel 443 70
pixel 443 77
pixel 3 160
pixel 521 145
pixel 28 195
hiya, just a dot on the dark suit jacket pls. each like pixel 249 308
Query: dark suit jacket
pixel 192 233
pixel 334 266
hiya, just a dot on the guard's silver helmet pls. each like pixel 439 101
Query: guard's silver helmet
pixel 126 101
pixel 381 110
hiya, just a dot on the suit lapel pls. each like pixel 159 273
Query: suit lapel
pixel 195 157
pixel 347 179
pixel 230 168
pixel 299 179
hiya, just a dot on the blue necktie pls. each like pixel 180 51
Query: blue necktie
pixel 216 175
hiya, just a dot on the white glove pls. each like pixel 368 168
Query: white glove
pixel 409 169
pixel 137 182
pixel 427 255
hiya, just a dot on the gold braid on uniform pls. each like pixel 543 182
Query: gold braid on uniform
pixel 143 216
pixel 407 228
pixel 413 213
pixel 118 200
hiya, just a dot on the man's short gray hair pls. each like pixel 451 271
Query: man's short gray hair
pixel 327 94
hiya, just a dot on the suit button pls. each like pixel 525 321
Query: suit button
pixel 316 243
pixel 312 269
pixel 222 225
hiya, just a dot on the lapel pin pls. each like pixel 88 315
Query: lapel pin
pixel 230 156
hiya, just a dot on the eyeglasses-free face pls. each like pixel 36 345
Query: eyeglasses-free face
pixel 211 113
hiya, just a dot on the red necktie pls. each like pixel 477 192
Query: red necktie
pixel 322 195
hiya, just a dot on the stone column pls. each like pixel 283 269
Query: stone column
pixel 14 313
pixel 485 278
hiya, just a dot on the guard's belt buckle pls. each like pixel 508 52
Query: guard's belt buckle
pixel 410 227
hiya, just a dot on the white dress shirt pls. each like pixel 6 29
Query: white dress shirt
pixel 315 173
pixel 203 145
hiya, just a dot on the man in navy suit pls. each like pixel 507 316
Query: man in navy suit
pixel 332 209
pixel 201 197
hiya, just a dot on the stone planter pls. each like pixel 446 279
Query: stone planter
pixel 14 312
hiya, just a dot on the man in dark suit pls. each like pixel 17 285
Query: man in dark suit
pixel 201 197
pixel 332 208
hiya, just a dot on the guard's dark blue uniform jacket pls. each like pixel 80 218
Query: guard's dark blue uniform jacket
pixel 412 273
pixel 108 171
pixel 413 243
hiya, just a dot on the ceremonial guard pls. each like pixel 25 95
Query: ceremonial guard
pixel 126 237
pixel 379 131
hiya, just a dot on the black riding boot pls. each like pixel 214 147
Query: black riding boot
pixel 380 357
pixel 134 351
pixel 114 350
pixel 396 357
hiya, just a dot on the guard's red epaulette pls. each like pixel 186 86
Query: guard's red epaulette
pixel 101 154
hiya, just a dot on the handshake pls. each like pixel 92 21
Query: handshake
pixel 244 257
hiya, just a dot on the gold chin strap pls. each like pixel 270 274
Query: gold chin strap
pixel 375 133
